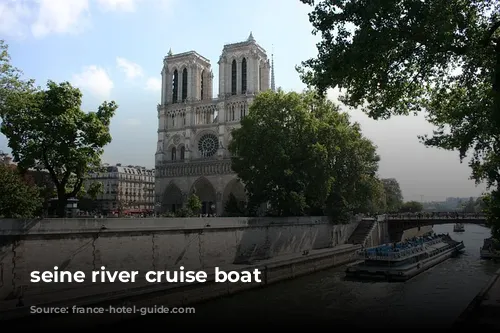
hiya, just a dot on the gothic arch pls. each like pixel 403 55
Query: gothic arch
pixel 185 82
pixel 203 132
pixel 204 189
pixel 172 198
pixel 181 152
pixel 244 75
pixel 172 152
pixel 175 85
pixel 203 83
pixel 235 187
pixel 234 76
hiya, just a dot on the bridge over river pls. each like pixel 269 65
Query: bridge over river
pixel 439 218
pixel 397 223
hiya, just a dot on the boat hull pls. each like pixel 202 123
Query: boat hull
pixel 400 274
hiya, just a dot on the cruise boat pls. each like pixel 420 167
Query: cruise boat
pixel 490 249
pixel 459 227
pixel 404 260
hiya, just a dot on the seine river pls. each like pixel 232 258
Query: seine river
pixel 434 298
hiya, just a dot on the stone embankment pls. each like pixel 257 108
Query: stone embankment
pixel 483 313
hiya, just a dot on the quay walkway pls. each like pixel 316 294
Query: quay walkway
pixel 483 312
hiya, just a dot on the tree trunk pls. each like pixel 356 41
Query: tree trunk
pixel 61 203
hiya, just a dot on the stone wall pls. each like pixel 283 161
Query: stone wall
pixel 150 244
pixel 380 234
pixel 415 232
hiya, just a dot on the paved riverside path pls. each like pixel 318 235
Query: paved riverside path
pixel 484 311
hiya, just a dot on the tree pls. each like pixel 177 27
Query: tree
pixel 193 204
pixel 492 213
pixel 122 205
pixel 373 197
pixel 17 198
pixel 300 155
pixel 233 207
pixel 393 194
pixel 88 194
pixel 469 206
pixel 479 205
pixel 411 207
pixel 46 129
pixel 397 57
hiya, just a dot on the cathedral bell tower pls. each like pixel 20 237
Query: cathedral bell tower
pixel 243 69
pixel 186 77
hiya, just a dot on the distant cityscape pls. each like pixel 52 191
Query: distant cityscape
pixel 470 204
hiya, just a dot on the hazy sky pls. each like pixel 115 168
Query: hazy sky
pixel 113 49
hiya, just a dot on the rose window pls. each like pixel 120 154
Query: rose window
pixel 208 145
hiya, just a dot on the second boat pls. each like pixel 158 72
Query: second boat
pixel 402 261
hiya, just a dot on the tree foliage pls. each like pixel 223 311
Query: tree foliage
pixel 18 199
pixel 393 194
pixel 193 204
pixel 47 129
pixel 298 153
pixel 479 205
pixel 395 57
pixel 411 207
pixel 233 207
pixel 492 212
pixel 469 206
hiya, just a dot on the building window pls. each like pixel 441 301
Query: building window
pixel 183 152
pixel 233 78
pixel 201 84
pixel 208 145
pixel 244 76
pixel 184 84
pixel 175 86
pixel 173 120
pixel 174 151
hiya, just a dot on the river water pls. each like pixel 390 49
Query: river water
pixel 434 298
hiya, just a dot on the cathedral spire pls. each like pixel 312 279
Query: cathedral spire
pixel 273 88
pixel 170 52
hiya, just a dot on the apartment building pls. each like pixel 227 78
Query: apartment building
pixel 126 189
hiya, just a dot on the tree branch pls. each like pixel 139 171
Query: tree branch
pixel 65 178
pixel 50 169
pixel 76 189
pixel 490 32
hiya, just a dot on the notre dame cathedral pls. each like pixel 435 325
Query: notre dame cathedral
pixel 194 128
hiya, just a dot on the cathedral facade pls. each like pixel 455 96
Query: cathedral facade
pixel 194 128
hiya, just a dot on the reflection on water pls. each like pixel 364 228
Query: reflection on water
pixel 436 296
